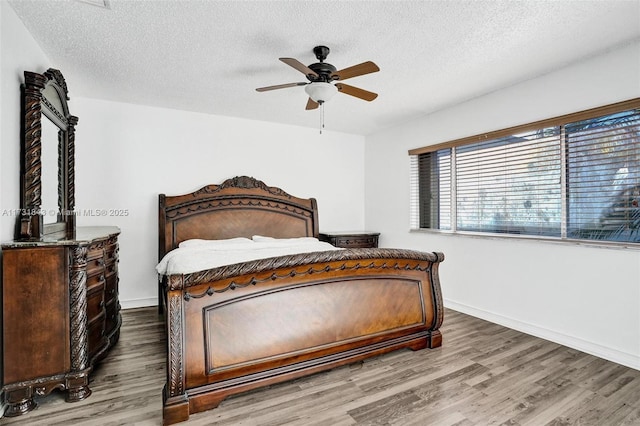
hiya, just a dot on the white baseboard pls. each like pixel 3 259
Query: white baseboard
pixel 592 348
pixel 139 303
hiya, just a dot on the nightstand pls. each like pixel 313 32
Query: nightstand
pixel 360 239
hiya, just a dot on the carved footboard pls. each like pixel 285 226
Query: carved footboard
pixel 243 326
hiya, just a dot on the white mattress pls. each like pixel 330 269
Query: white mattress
pixel 199 255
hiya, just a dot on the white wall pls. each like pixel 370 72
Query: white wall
pixel 20 53
pixel 584 297
pixel 128 154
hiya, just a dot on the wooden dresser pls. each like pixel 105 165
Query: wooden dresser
pixel 60 314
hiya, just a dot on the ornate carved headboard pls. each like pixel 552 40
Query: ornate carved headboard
pixel 239 207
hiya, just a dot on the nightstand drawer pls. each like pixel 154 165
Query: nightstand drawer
pixel 351 239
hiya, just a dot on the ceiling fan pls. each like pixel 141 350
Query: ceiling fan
pixel 321 75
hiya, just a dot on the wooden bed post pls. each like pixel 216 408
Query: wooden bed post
pixel 176 403
pixel 435 336
pixel 161 247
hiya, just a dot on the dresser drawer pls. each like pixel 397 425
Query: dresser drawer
pixel 96 282
pixel 95 250
pixel 111 289
pixel 95 266
pixel 111 253
pixel 96 337
pixel 113 315
pixel 95 305
pixel 111 269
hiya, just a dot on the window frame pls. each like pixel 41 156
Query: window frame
pixel 559 121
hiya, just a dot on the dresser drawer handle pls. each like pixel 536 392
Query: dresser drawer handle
pixel 101 304
pixel 101 279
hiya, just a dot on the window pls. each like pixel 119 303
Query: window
pixel 571 177
pixel 433 192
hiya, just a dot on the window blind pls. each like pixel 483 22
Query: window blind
pixel 431 190
pixel 603 177
pixel 575 176
pixel 510 185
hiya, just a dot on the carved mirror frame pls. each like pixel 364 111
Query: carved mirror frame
pixel 46 94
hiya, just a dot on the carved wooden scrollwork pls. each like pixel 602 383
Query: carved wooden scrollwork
pixel 31 187
pixel 78 308
pixel 194 207
pixel 244 182
pixel 175 368
pixel 407 259
pixel 71 170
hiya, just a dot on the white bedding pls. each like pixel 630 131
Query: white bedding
pixel 198 255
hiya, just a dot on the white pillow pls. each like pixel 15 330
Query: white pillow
pixel 214 243
pixel 296 240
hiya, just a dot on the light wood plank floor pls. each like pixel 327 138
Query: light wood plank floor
pixel 484 374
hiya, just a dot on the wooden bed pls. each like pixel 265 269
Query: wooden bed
pixel 239 327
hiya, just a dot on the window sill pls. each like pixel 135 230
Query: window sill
pixel 512 237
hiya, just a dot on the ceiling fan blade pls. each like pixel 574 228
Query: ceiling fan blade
pixel 280 86
pixel 311 104
pixel 299 66
pixel 356 91
pixel 356 70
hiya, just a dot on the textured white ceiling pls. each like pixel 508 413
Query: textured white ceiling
pixel 209 56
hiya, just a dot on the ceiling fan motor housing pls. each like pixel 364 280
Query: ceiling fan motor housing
pixel 324 71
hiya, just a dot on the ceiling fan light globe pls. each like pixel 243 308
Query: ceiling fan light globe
pixel 320 92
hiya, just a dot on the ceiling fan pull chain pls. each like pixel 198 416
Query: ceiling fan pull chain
pixel 321 117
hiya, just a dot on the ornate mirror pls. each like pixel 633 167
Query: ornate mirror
pixel 47 166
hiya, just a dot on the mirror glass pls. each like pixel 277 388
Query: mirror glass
pixel 53 98
pixel 49 176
